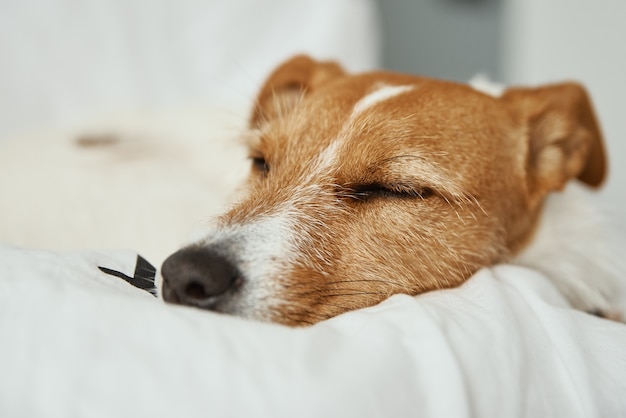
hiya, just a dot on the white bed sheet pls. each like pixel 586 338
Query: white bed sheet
pixel 77 342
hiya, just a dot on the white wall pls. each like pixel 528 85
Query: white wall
pixel 62 62
pixel 582 40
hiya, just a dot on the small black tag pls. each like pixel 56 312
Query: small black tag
pixel 143 278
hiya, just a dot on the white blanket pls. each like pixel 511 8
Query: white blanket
pixel 75 341
pixel 78 342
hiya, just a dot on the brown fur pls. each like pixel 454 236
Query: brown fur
pixel 473 171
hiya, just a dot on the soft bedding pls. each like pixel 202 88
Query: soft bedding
pixel 79 341
pixel 82 336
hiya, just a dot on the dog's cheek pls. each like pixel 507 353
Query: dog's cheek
pixel 361 259
pixel 313 281
pixel 417 249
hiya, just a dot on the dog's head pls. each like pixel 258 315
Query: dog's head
pixel 367 185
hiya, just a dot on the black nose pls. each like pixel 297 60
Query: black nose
pixel 196 276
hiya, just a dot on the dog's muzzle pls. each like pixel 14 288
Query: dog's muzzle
pixel 198 276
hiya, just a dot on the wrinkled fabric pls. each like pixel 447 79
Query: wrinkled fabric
pixel 75 341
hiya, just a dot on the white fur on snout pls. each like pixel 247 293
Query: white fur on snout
pixel 265 248
pixel 262 249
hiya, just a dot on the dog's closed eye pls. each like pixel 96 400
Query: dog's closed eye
pixel 370 191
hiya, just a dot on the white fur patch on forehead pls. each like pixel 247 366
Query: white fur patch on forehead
pixel 384 92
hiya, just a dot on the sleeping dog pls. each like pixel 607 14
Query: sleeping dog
pixel 367 185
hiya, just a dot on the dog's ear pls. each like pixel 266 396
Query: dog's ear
pixel 288 84
pixel 564 139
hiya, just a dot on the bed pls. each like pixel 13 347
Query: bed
pixel 82 333
pixel 80 341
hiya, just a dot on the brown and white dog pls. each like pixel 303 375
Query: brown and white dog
pixel 367 185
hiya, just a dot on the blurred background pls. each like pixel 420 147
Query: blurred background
pixel 526 42
pixel 66 61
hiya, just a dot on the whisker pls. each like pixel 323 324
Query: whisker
pixel 364 280
pixel 300 317
pixel 334 305
pixel 354 294
pixel 389 282
pixel 307 313
pixel 325 292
